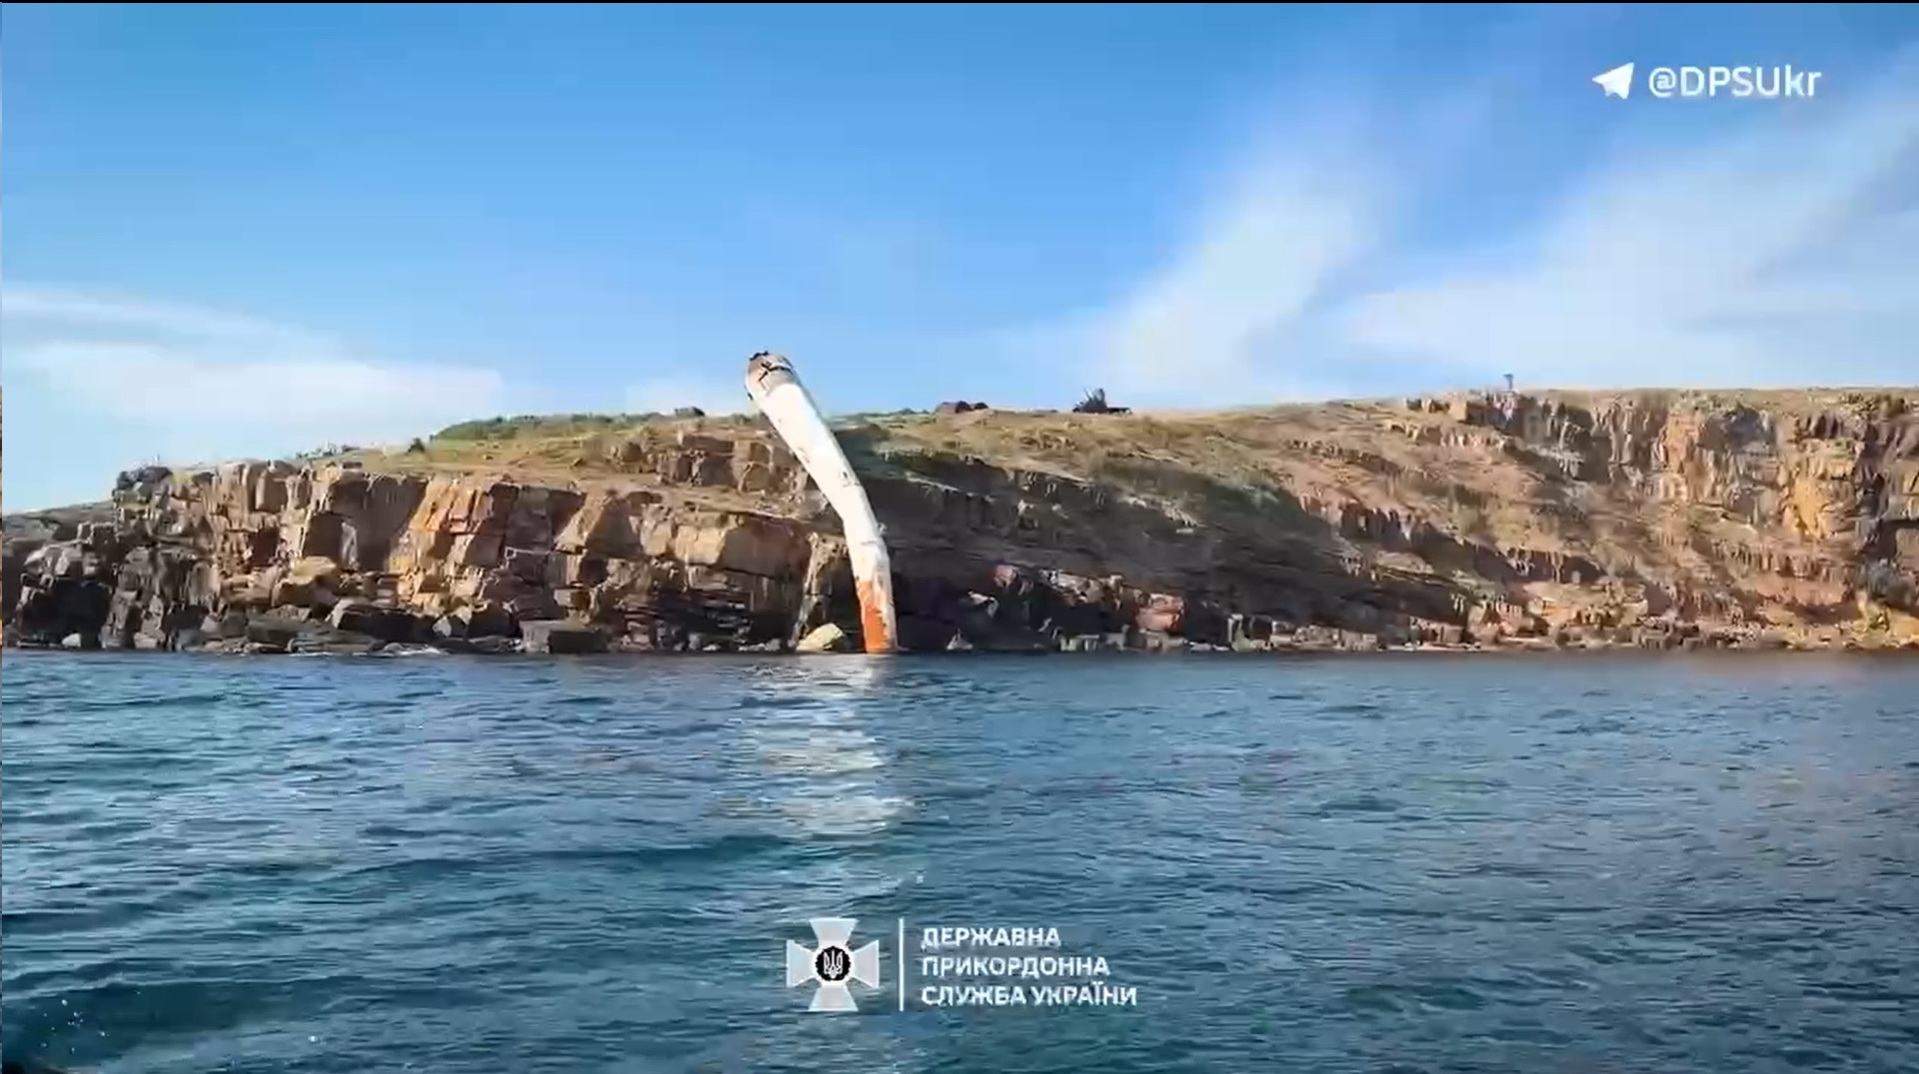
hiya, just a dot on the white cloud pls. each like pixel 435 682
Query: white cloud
pixel 93 313
pixel 240 380
pixel 1775 250
pixel 1761 259
pixel 1253 270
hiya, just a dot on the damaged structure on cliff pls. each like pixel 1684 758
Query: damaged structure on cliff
pixel 1095 403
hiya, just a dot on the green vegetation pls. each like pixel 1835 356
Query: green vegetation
pixel 561 426
pixel 542 426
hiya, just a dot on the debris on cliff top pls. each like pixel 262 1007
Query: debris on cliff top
pixel 959 406
pixel 688 412
pixel 1095 403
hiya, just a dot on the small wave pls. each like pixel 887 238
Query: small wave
pixel 1600 726
pixel 434 867
pixel 658 732
pixel 148 701
pixel 857 814
pixel 383 830
pixel 1072 789
pixel 966 792
pixel 584 701
pixel 1517 869
pixel 1402 997
pixel 822 760
pixel 122 1008
pixel 762 702
pixel 1473 783
pixel 669 840
pixel 1357 803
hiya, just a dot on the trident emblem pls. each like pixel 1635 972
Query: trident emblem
pixel 832 964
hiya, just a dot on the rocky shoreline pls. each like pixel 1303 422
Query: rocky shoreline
pixel 279 635
pixel 1478 523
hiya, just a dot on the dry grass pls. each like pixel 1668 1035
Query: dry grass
pixel 1236 467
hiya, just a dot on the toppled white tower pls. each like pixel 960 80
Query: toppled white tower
pixel 777 390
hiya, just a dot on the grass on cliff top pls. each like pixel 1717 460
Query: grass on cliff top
pixel 1381 454
pixel 1249 449
pixel 1193 461
pixel 563 426
pixel 541 426
pixel 984 425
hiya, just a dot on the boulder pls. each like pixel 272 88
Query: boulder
pixel 337 642
pixel 827 638
pixel 318 570
pixel 536 606
pixel 294 594
pixel 373 620
pixel 483 620
pixel 268 636
pixel 494 646
pixel 562 636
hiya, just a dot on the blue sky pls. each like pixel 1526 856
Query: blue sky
pixel 250 230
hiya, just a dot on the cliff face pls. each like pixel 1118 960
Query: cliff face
pixel 1657 519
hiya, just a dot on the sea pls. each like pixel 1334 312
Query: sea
pixel 1391 864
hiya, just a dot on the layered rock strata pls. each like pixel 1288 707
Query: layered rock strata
pixel 1664 520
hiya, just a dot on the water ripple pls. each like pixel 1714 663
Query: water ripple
pixel 306 867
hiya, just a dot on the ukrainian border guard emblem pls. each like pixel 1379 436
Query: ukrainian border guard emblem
pixel 833 964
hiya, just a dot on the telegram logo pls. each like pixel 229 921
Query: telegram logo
pixel 1616 82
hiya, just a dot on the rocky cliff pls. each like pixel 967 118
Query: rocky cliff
pixel 1659 519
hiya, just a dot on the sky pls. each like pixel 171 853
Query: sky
pixel 248 230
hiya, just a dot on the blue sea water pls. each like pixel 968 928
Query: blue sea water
pixel 1407 864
